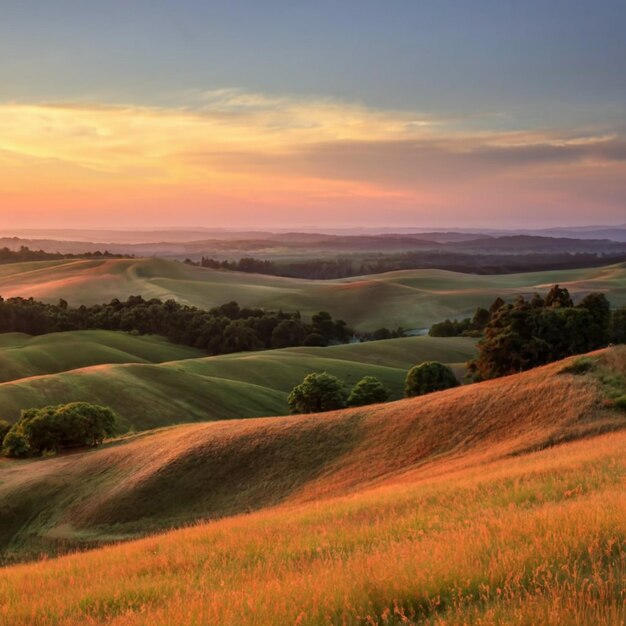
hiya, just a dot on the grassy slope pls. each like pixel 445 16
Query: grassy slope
pixel 176 475
pixel 224 387
pixel 436 517
pixel 22 356
pixel 412 298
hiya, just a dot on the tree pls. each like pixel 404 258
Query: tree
pixel 428 377
pixel 618 326
pixel 314 340
pixel 558 297
pixel 369 390
pixel 480 319
pixel 5 427
pixel 288 333
pixel 316 393
pixel 15 443
pixel 600 311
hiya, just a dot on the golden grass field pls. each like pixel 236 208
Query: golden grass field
pixel 411 298
pixel 497 503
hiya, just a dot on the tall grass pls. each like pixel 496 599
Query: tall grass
pixel 534 539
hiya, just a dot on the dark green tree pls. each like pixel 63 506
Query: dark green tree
pixel 618 326
pixel 316 393
pixel 369 390
pixel 558 297
pixel 15 443
pixel 600 320
pixel 481 318
pixel 5 427
pixel 428 377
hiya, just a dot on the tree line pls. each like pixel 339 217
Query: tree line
pixel 220 330
pixel 24 253
pixel 377 263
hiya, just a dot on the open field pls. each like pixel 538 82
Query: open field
pixel 23 356
pixel 197 389
pixel 412 298
pixel 437 510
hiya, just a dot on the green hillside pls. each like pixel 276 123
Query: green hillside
pixel 222 387
pixel 175 476
pixel 22 356
pixel 411 298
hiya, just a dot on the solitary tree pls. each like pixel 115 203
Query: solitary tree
pixel 316 393
pixel 369 390
pixel 428 377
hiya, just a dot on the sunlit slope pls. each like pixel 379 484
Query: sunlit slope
pixel 223 387
pixel 533 539
pixel 177 475
pixel 412 298
pixel 22 356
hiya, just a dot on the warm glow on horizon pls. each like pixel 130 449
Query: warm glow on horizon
pixel 240 156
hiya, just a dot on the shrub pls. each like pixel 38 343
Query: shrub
pixel 369 390
pixel 428 377
pixel 579 366
pixel 316 393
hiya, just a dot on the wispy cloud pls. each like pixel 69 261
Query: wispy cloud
pixel 231 146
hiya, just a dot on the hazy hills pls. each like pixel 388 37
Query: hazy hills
pixel 414 299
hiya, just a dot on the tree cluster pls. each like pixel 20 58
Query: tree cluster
pixel 322 391
pixel 529 333
pixel 224 329
pixel 55 428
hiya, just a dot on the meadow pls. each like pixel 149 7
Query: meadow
pixel 124 372
pixel 170 477
pixel 449 509
pixel 414 299
pixel 24 356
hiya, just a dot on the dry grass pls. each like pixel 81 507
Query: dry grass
pixel 534 539
pixel 172 477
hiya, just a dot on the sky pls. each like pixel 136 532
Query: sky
pixel 467 113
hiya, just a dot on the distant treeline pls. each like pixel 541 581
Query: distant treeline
pixel 358 265
pixel 527 333
pixel 24 253
pixel 220 330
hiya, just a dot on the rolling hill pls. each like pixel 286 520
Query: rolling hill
pixel 413 299
pixel 443 509
pixel 23 356
pixel 148 395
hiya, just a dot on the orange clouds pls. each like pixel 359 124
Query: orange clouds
pixel 236 157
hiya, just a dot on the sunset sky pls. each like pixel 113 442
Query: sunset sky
pixel 325 113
